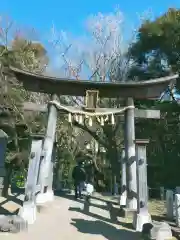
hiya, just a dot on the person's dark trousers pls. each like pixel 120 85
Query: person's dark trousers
pixel 77 186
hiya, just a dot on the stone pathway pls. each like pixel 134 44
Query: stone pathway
pixel 66 219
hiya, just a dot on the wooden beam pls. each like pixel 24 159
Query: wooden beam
pixel 71 87
pixel 30 106
pixel 147 113
pixel 139 113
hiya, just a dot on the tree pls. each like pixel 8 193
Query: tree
pixel 16 50
pixel 22 53
pixel 155 53
pixel 157 46
pixel 29 55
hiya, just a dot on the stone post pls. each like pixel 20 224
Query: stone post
pixel 169 204
pixel 123 195
pixel 3 145
pixel 142 216
pixel 50 177
pixel 129 137
pixel 28 210
pixel 177 190
pixel 177 209
pixel 46 194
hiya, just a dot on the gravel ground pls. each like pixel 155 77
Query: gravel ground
pixel 67 219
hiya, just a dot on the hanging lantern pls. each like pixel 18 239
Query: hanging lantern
pixel 69 118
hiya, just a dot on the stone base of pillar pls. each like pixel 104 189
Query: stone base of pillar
pixel 140 219
pixel 131 203
pixel 45 197
pixel 177 209
pixel 13 224
pixel 123 200
pixel 161 230
pixel 128 214
pixel 28 212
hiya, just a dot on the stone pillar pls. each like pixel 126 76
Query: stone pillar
pixel 49 193
pixel 129 137
pixel 142 216
pixel 28 210
pixel 50 183
pixel 46 194
pixel 177 190
pixel 123 195
pixel 177 209
pixel 169 204
pixel 3 145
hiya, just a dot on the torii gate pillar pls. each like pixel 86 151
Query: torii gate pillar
pixel 129 137
pixel 46 167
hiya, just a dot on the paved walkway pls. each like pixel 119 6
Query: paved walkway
pixel 67 219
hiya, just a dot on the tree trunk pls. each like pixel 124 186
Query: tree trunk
pixel 7 181
pixel 112 154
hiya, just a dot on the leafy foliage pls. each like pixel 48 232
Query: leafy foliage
pixel 156 51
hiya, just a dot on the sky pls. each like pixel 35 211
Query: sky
pixel 71 15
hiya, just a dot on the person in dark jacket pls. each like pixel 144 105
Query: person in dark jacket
pixel 79 176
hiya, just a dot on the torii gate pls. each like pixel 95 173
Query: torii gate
pixel 58 86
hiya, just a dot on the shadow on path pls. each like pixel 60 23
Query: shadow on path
pixel 4 209
pixel 67 196
pixel 107 207
pixel 114 212
pixel 113 217
pixel 88 213
pixel 102 228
